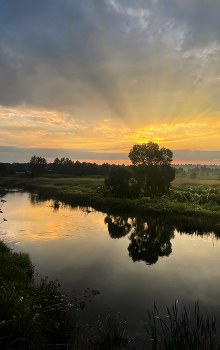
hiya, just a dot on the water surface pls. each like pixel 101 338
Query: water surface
pixel 131 262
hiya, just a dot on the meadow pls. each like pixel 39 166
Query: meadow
pixel 202 180
pixel 85 183
pixel 61 183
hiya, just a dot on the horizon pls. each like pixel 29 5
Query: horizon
pixel 23 155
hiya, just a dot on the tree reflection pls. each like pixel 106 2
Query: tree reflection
pixel 117 226
pixel 148 240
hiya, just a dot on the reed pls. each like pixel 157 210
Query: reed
pixel 112 333
pixel 181 330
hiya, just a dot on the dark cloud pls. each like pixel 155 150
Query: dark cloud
pixel 111 55
pixel 201 17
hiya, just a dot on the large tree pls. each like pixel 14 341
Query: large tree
pixel 150 154
pixel 153 171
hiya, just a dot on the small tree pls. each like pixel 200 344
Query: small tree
pixel 62 166
pixel 193 175
pixel 38 164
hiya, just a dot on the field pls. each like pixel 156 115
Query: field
pixel 202 180
pixel 57 183
pixel 90 183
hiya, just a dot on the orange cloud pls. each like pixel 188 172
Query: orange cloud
pixel 49 129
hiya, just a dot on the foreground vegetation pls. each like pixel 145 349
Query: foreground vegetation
pixel 24 324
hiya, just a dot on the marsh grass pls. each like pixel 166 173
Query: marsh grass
pixel 181 330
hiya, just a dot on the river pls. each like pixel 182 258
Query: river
pixel 131 262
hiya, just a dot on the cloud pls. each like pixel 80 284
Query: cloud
pixel 75 55
pixel 41 129
pixel 68 67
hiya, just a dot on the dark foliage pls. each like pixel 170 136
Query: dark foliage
pixel 118 180
pixel 152 170
pixel 37 164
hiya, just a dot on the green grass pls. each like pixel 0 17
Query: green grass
pixel 24 324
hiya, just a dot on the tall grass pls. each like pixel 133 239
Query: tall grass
pixel 181 331
pixel 111 334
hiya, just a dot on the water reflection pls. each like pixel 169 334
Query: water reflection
pixel 149 239
pixel 36 199
pixel 118 226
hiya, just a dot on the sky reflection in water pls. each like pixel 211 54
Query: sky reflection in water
pixel 78 249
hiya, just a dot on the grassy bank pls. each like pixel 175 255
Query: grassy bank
pixel 57 183
pixel 188 197
pixel 26 321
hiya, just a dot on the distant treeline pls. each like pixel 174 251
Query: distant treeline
pixel 198 169
pixel 59 166
pixel 76 168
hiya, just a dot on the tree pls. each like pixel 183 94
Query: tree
pixel 62 166
pixel 153 171
pixel 38 164
pixel 118 180
pixel 150 154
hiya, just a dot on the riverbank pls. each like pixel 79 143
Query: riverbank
pixel 26 317
pixel 187 196
pixel 187 204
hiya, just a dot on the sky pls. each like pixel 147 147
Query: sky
pixel 89 79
